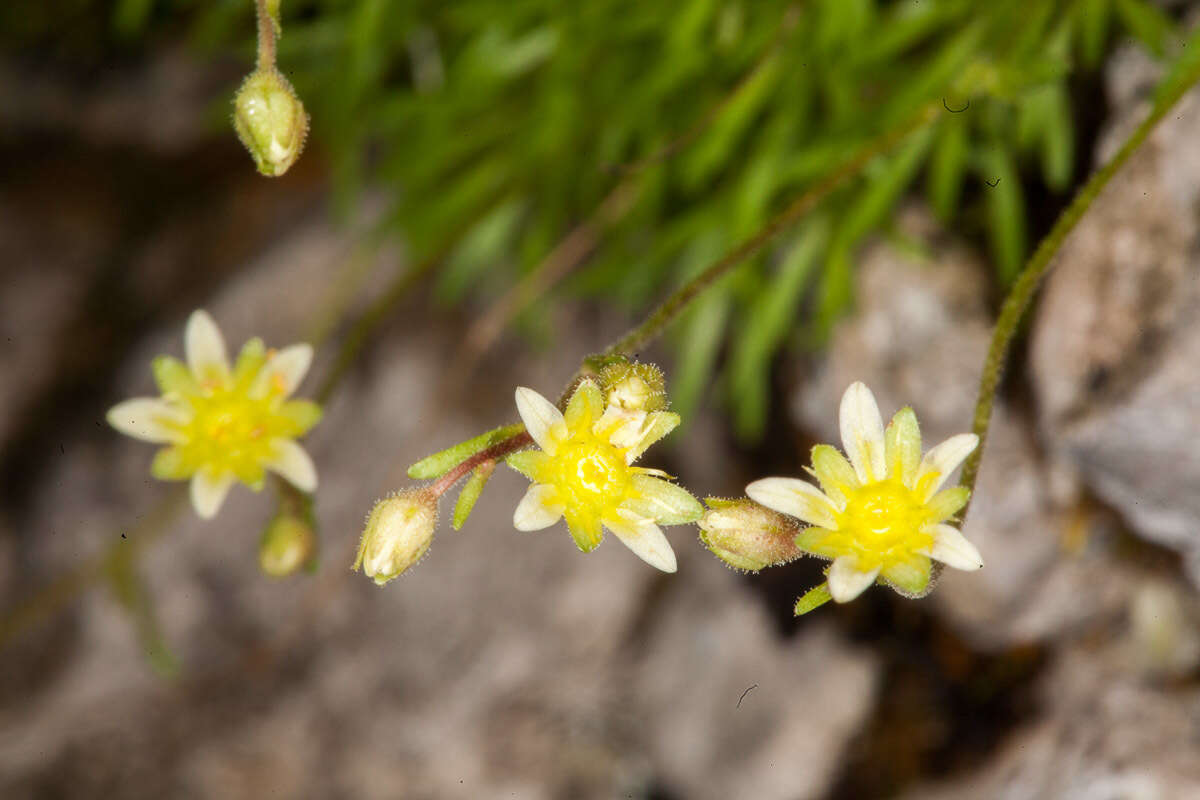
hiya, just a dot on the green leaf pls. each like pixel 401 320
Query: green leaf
pixel 948 167
pixel 470 493
pixel 440 463
pixel 1092 17
pixel 702 331
pixel 772 317
pixel 1058 139
pixel 1147 23
pixel 884 187
pixel 1005 210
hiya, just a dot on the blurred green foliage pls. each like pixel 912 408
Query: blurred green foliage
pixel 497 126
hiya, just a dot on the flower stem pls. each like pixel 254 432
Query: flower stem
pixel 266 36
pixel 493 453
pixel 1173 87
pixel 673 306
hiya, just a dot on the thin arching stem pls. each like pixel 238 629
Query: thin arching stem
pixel 673 306
pixel 1019 297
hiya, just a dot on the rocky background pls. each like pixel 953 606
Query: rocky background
pixel 508 664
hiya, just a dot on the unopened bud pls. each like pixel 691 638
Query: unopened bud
pixel 748 536
pixel 399 531
pixel 287 544
pixel 270 120
pixel 633 386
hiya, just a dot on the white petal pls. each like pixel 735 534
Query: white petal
pixel 146 418
pixel 644 538
pixel 293 463
pixel 862 433
pixel 205 347
pixel 208 493
pixel 542 419
pixel 796 498
pixel 539 508
pixel 846 582
pixel 952 549
pixel 284 371
pixel 943 460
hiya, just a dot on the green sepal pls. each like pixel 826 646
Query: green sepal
pixel 813 598
pixel 438 464
pixel 171 464
pixel 527 462
pixel 470 493
pixel 303 414
pixel 251 359
pixel 173 376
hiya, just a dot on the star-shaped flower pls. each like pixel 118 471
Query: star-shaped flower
pixel 584 472
pixel 880 514
pixel 224 424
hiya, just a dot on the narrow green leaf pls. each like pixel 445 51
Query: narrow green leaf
pixel 470 493
pixel 1092 17
pixel 440 463
pixel 1147 23
pixel 1058 140
pixel 1005 210
pixel 948 167
pixel 772 317
pixel 700 340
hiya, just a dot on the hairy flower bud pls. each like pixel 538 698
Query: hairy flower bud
pixel 633 386
pixel 398 532
pixel 748 536
pixel 270 120
pixel 287 544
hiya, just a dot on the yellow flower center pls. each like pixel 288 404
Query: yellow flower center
pixel 591 472
pixel 884 522
pixel 231 432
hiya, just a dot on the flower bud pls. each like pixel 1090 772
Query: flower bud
pixel 270 120
pixel 399 531
pixel 287 544
pixel 748 536
pixel 633 386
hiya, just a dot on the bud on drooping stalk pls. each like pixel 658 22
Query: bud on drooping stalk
pixel 398 532
pixel 748 536
pixel 270 120
pixel 287 544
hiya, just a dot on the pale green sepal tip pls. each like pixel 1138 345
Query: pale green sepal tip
pixel 813 598
pixel 469 494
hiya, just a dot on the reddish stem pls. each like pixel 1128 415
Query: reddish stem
pixel 493 453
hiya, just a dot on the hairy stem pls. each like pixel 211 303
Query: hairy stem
pixel 494 453
pixel 266 36
pixel 673 306
pixel 1185 75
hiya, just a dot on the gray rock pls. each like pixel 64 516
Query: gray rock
pixel 1105 733
pixel 1117 332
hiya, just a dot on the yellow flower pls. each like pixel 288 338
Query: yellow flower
pixel 224 424
pixel 880 514
pixel 584 472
